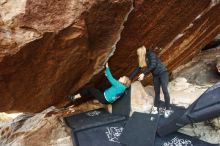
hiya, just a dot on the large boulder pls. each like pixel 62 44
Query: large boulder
pixel 141 98
pixel 49 49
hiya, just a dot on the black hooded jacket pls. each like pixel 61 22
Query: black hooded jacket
pixel 154 65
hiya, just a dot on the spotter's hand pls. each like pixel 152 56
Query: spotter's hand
pixel 141 77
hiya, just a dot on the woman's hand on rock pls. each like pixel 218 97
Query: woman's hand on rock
pixel 106 65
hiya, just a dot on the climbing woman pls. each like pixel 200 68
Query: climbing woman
pixel 147 58
pixel 109 95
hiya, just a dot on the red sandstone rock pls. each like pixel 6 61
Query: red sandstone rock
pixel 49 49
pixel 180 28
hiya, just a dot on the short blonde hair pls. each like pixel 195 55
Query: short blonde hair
pixel 141 52
pixel 127 81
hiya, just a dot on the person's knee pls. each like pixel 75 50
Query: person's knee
pixel 165 91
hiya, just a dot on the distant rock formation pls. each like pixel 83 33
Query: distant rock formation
pixel 201 69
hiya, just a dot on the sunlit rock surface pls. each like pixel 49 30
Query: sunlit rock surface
pixel 42 129
pixel 4 118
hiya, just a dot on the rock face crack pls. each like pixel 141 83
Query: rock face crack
pixel 180 36
pixel 117 40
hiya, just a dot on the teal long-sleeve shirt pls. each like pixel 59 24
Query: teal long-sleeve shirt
pixel 116 90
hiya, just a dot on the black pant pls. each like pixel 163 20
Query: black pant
pixel 93 92
pixel 161 80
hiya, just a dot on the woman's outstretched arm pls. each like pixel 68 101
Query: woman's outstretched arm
pixel 109 76
pixel 134 73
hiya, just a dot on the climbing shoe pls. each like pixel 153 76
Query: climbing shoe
pixel 154 110
pixel 71 97
pixel 167 113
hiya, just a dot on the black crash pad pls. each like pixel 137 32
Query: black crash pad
pixel 92 118
pixel 179 139
pixel 123 105
pixel 206 107
pixel 140 130
pixel 105 135
pixel 177 113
